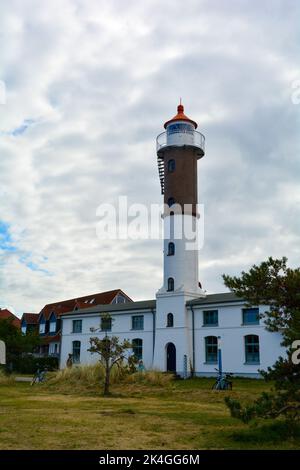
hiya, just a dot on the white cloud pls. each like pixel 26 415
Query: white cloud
pixel 98 79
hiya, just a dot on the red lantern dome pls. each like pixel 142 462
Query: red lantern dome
pixel 180 116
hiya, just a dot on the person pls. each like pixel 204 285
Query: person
pixel 69 361
pixel 141 367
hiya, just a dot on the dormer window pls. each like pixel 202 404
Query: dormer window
pixel 121 299
pixel 42 326
pixel 52 324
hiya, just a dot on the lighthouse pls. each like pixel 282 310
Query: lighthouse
pixel 178 148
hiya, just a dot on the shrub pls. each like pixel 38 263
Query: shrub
pixel 28 364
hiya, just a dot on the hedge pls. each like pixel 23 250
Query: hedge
pixel 29 364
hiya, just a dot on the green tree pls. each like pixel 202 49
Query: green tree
pixel 17 344
pixel 112 351
pixel 274 284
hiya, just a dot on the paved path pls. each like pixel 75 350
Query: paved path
pixel 23 379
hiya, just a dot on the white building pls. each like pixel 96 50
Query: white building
pixel 183 328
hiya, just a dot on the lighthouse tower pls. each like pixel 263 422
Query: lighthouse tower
pixel 178 150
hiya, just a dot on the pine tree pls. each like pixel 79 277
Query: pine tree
pixel 274 284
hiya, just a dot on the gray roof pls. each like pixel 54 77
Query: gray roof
pixel 216 299
pixel 151 304
pixel 141 305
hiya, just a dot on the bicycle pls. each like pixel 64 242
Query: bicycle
pixel 39 376
pixel 223 382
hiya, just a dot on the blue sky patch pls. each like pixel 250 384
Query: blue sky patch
pixel 22 128
pixel 6 243
pixel 25 259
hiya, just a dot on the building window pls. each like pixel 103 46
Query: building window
pixel 170 320
pixel 137 348
pixel 171 165
pixel 171 249
pixel 211 349
pixel 42 328
pixel 23 329
pixel 171 201
pixel 52 324
pixel 76 351
pixel 77 326
pixel 250 316
pixel 210 318
pixel 170 284
pixel 137 322
pixel 252 349
pixel 181 127
pixel 106 323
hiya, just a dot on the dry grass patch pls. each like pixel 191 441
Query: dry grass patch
pixel 6 379
pixel 139 415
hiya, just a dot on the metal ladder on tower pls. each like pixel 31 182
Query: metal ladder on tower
pixel 161 173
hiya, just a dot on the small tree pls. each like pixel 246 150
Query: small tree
pixel 111 350
pixel 272 283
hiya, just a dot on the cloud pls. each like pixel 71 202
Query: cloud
pixel 88 87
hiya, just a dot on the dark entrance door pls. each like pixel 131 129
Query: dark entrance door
pixel 171 357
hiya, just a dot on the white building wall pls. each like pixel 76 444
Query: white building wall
pixel 183 265
pixel 230 329
pixel 179 334
pixel 121 327
pixel 232 333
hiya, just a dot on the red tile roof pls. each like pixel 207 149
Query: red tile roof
pixel 30 318
pixel 65 306
pixel 6 314
pixel 51 339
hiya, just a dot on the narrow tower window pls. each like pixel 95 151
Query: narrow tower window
pixel 171 249
pixel 170 320
pixel 170 284
pixel 171 201
pixel 171 165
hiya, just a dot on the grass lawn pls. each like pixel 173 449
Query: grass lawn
pixel 184 415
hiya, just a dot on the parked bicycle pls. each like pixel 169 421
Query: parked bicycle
pixel 39 376
pixel 223 381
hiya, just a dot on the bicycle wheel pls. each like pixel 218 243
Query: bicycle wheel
pixel 215 386
pixel 33 380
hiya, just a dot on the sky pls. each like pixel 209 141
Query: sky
pixel 88 86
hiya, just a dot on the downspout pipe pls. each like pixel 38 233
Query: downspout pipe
pixel 193 340
pixel 153 334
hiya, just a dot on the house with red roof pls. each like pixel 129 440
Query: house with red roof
pixel 7 315
pixel 29 322
pixel 48 321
